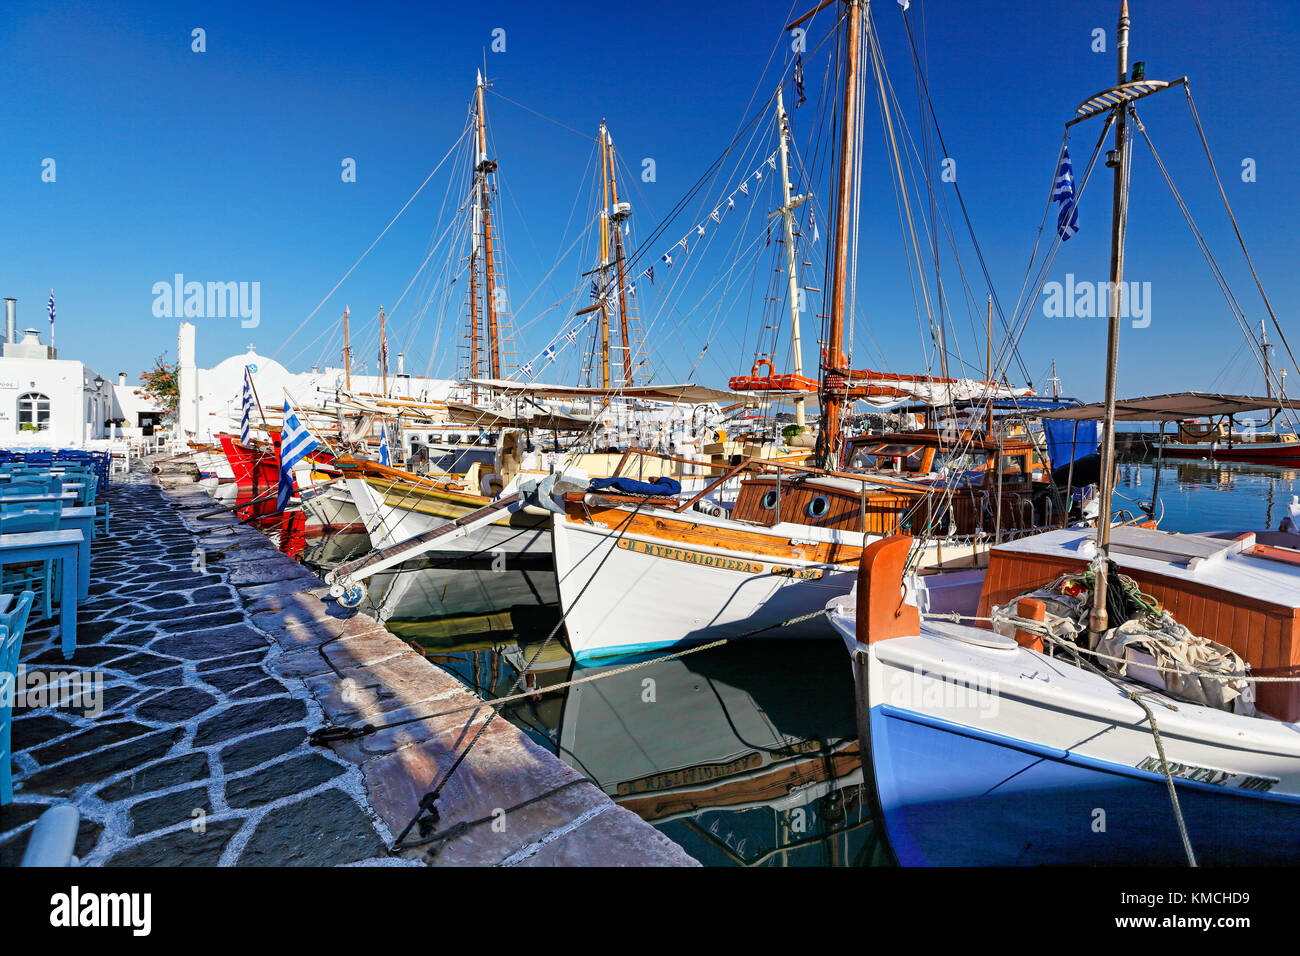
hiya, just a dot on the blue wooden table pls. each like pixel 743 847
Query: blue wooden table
pixel 25 499
pixel 62 545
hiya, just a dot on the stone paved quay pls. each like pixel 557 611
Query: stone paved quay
pixel 209 643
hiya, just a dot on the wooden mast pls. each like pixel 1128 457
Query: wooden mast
pixel 617 217
pixel 834 373
pixel 383 352
pixel 482 169
pixel 1097 622
pixel 791 263
pixel 474 320
pixel 347 353
pixel 604 255
pixel 988 367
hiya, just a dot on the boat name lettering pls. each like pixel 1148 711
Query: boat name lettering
pixel 1219 778
pixel 691 557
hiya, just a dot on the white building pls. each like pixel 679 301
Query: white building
pixel 211 399
pixel 49 402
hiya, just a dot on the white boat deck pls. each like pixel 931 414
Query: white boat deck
pixel 1223 563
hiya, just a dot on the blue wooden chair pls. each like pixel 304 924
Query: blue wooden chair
pixel 42 577
pixel 28 486
pixel 12 626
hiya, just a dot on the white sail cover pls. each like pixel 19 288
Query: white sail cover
pixel 935 392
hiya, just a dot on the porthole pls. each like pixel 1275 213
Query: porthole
pixel 818 507
pixel 769 500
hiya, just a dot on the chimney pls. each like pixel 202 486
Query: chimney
pixel 11 319
pixel 121 378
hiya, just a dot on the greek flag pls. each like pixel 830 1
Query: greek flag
pixel 549 353
pixel 245 422
pixel 1067 217
pixel 51 307
pixel 572 335
pixel 383 444
pixel 296 443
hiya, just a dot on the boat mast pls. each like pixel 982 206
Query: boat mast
pixel 834 377
pixel 383 352
pixel 791 263
pixel 604 255
pixel 1268 376
pixel 1098 622
pixel 617 216
pixel 482 169
pixel 988 367
pixel 347 353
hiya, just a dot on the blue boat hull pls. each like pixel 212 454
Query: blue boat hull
pixel 954 795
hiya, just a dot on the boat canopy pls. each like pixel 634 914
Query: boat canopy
pixel 684 394
pixel 1174 407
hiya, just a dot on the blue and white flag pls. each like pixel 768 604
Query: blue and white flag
pixel 246 420
pixel 383 444
pixel 526 370
pixel 572 334
pixel 549 353
pixel 699 230
pixel 1067 217
pixel 731 202
pixel 715 216
pixel 296 443
pixel 631 289
pixel 51 308
pixel 667 259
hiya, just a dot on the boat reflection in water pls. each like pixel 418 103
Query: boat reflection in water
pixel 1196 495
pixel 731 752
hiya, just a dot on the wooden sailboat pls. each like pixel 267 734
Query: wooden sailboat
pixel 794 535
pixel 1036 715
pixel 396 504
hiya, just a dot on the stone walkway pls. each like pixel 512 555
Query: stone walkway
pixel 209 645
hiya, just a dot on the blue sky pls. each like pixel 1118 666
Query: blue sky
pixel 225 166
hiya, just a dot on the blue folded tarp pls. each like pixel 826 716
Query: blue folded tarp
pixel 660 487
pixel 1069 441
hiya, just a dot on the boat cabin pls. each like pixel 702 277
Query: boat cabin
pixel 933 454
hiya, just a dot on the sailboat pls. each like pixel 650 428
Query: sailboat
pixel 505 562
pixel 1111 697
pixel 639 573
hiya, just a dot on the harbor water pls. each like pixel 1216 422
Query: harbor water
pixel 747 754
